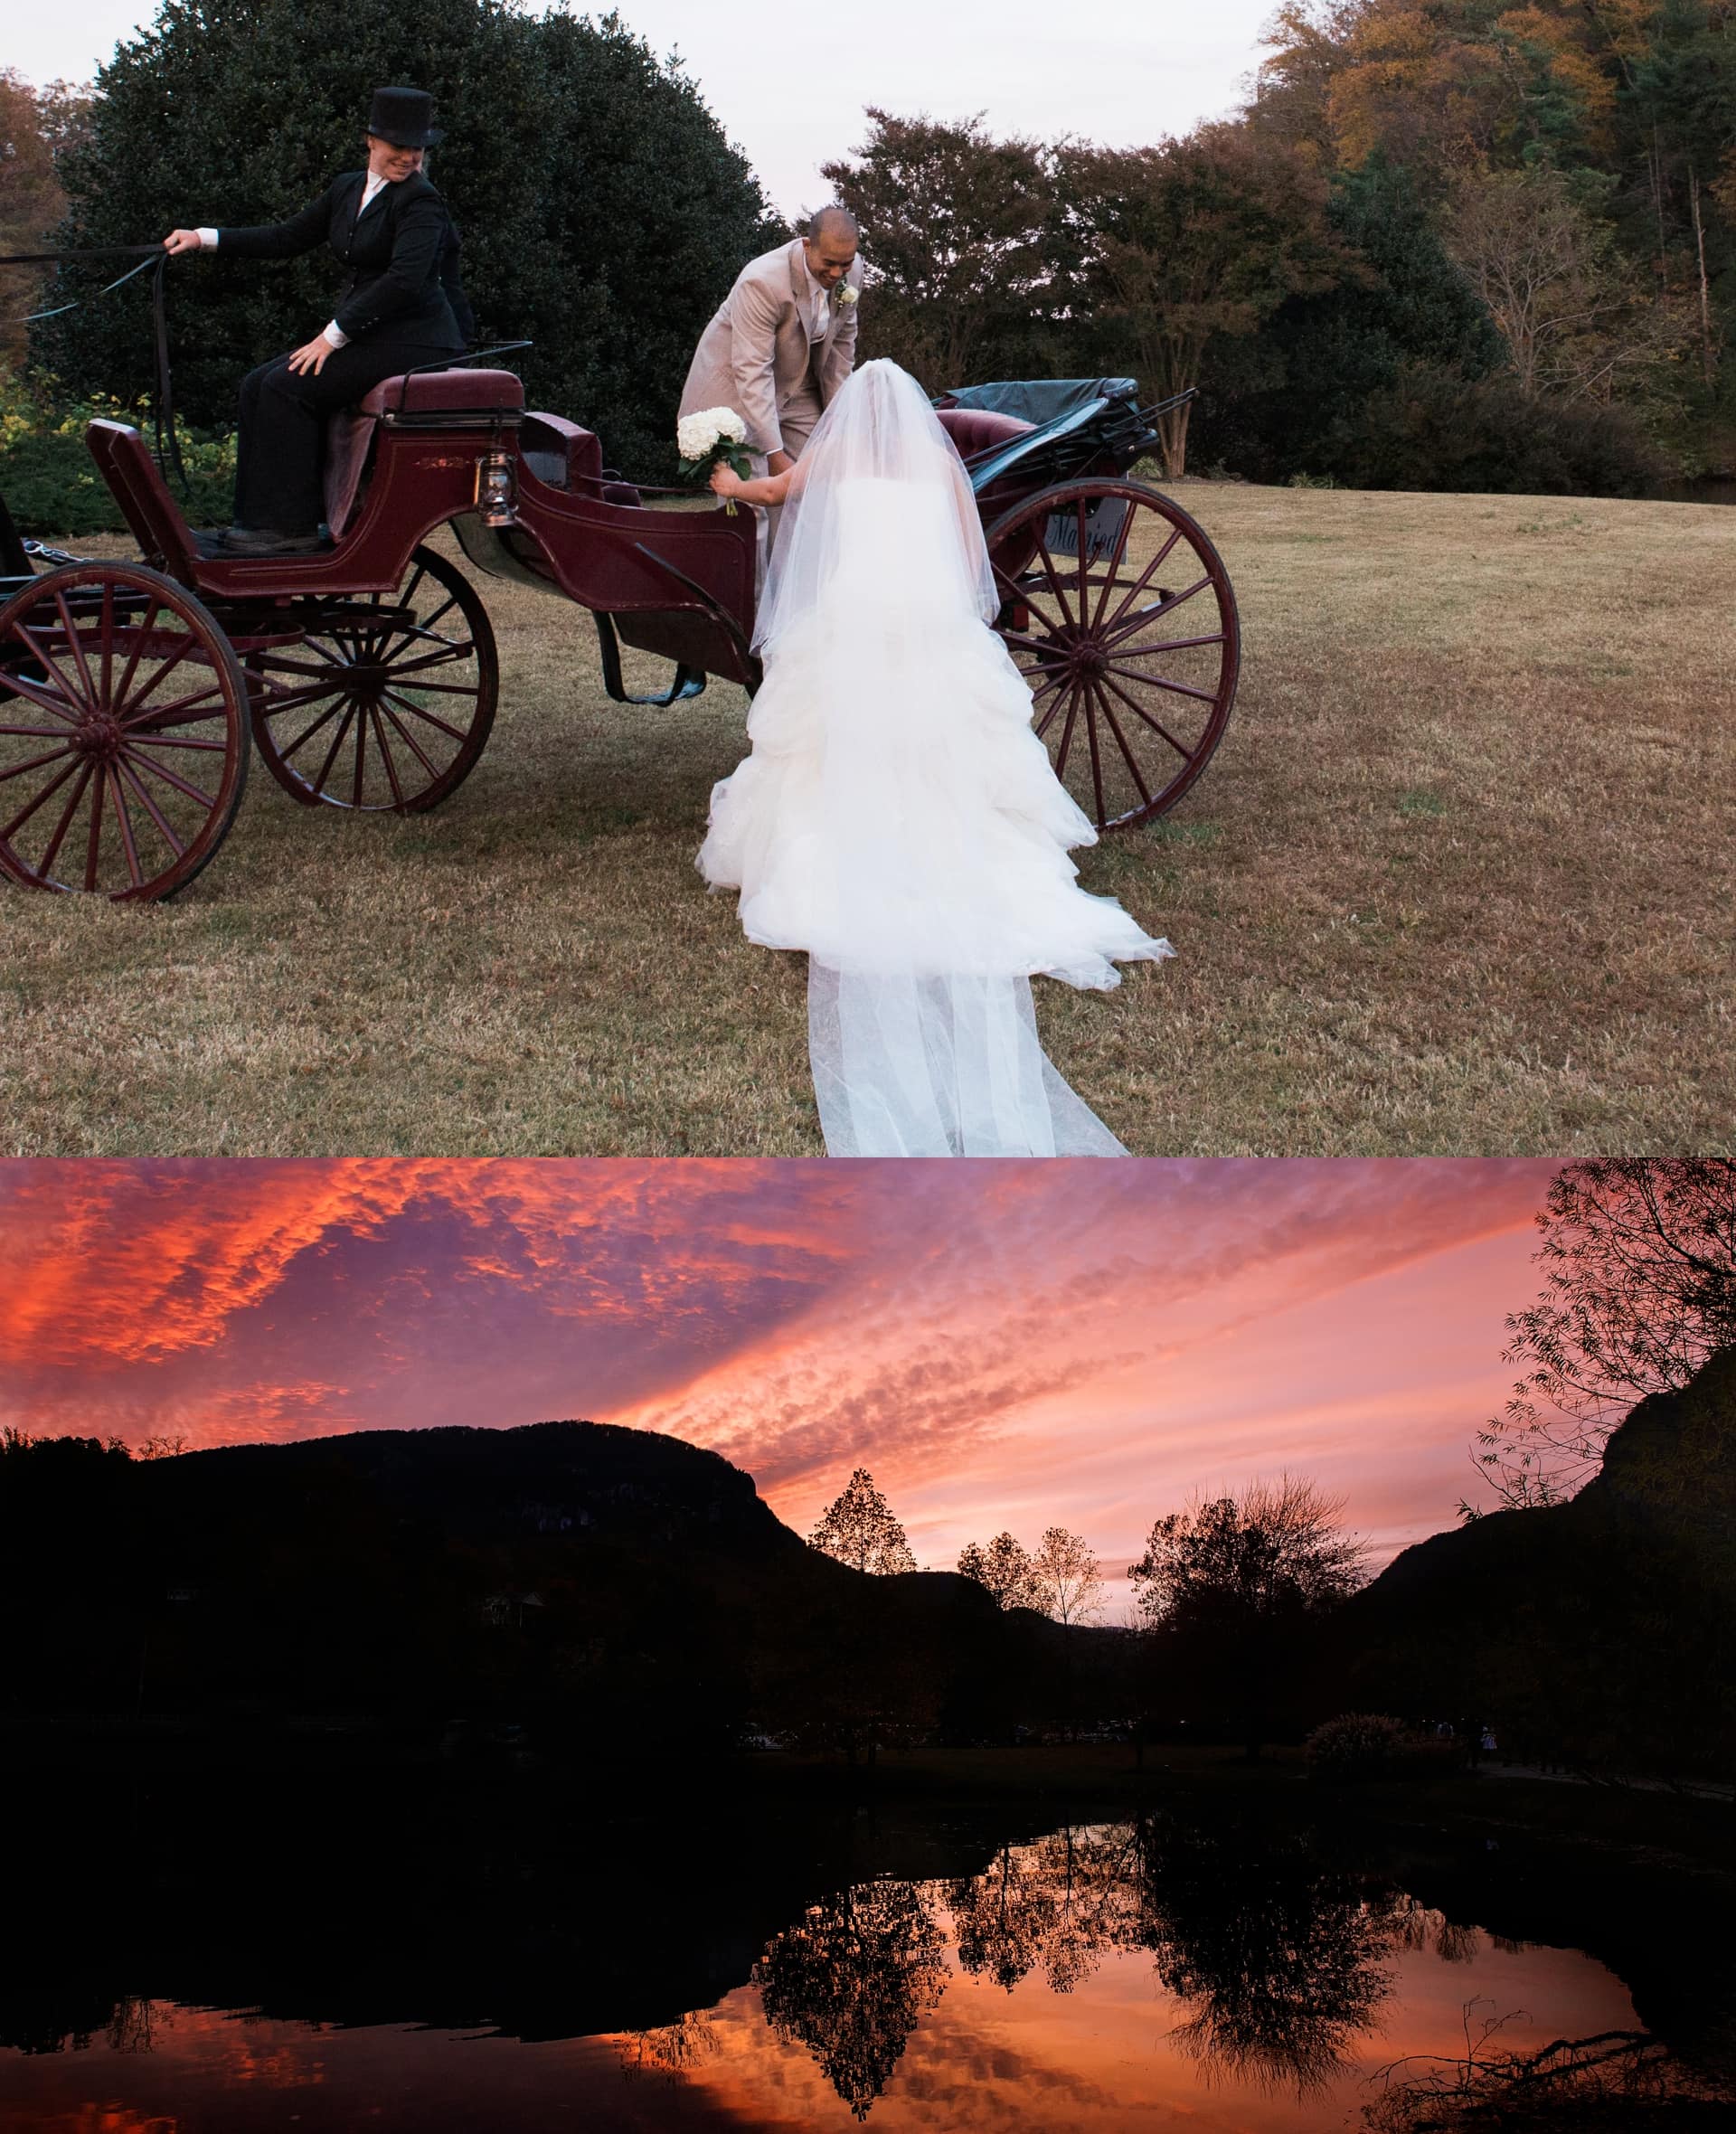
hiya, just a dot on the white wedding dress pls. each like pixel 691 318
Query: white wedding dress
pixel 898 819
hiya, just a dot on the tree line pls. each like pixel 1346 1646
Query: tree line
pixel 1449 245
pixel 1454 245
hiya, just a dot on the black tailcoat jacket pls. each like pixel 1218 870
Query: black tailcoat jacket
pixel 400 255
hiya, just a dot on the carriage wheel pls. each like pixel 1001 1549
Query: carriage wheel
pixel 386 706
pixel 123 733
pixel 1121 614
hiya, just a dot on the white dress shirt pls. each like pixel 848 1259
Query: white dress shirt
pixel 334 332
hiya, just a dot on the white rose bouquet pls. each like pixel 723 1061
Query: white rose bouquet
pixel 714 437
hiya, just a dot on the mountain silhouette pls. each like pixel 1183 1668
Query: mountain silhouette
pixel 611 1588
pixel 1600 1630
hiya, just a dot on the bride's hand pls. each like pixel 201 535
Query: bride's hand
pixel 726 482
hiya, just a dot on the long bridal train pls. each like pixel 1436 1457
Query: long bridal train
pixel 898 819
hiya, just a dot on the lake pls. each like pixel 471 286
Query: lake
pixel 405 1954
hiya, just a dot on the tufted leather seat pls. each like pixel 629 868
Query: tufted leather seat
pixel 974 430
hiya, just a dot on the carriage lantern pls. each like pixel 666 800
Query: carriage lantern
pixel 496 489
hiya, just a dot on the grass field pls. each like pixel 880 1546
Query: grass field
pixel 1458 882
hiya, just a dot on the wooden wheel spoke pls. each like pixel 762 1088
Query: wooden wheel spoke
pixel 65 822
pixel 453 651
pixel 1066 731
pixel 289 700
pixel 1091 698
pixel 330 672
pixel 34 692
pixel 1143 581
pixel 1115 563
pixel 161 675
pixel 125 823
pixel 75 641
pixel 418 711
pixel 1167 606
pixel 175 741
pixel 1139 712
pixel 35 763
pixel 173 777
pixel 106 633
pixel 385 756
pixel 424 627
pixel 409 741
pixel 360 753
pixel 68 693
pixel 49 791
pixel 441 688
pixel 1042 646
pixel 150 807
pixel 207 702
pixel 1128 755
pixel 1170 645
pixel 337 743
pixel 141 637
pixel 1157 681
pixel 93 839
pixel 324 719
pixel 122 669
pixel 1021 595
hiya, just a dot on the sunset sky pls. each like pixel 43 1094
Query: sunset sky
pixel 1013 1344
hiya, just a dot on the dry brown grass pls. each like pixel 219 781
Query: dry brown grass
pixel 1458 882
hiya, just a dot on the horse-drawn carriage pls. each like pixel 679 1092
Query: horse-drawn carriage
pixel 366 675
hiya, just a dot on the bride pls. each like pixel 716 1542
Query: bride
pixel 898 819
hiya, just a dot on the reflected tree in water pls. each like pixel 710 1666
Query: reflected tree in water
pixel 850 1981
pixel 1058 1904
pixel 1281 1957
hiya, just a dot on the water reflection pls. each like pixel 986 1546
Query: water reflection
pixel 851 1980
pixel 928 1970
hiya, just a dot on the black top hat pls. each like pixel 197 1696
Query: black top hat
pixel 401 116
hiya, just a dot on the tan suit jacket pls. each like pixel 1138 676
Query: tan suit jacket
pixel 759 356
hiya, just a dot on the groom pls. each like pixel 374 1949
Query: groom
pixel 783 341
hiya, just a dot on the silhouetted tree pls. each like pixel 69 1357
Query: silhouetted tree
pixel 1069 1582
pixel 850 1981
pixel 1639 1259
pixel 1005 1568
pixel 859 1528
pixel 1232 1588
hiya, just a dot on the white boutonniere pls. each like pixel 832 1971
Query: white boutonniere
pixel 845 295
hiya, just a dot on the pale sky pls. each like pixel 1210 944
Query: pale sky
pixel 790 81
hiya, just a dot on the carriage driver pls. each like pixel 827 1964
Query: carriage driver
pixel 403 307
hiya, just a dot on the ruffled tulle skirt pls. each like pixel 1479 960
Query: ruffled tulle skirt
pixel 899 820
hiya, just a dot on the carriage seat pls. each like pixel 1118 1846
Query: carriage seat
pixel 446 392
pixel 349 435
pixel 975 429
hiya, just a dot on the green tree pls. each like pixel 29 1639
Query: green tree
pixel 603 212
pixel 1196 239
pixel 859 1528
pixel 958 232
